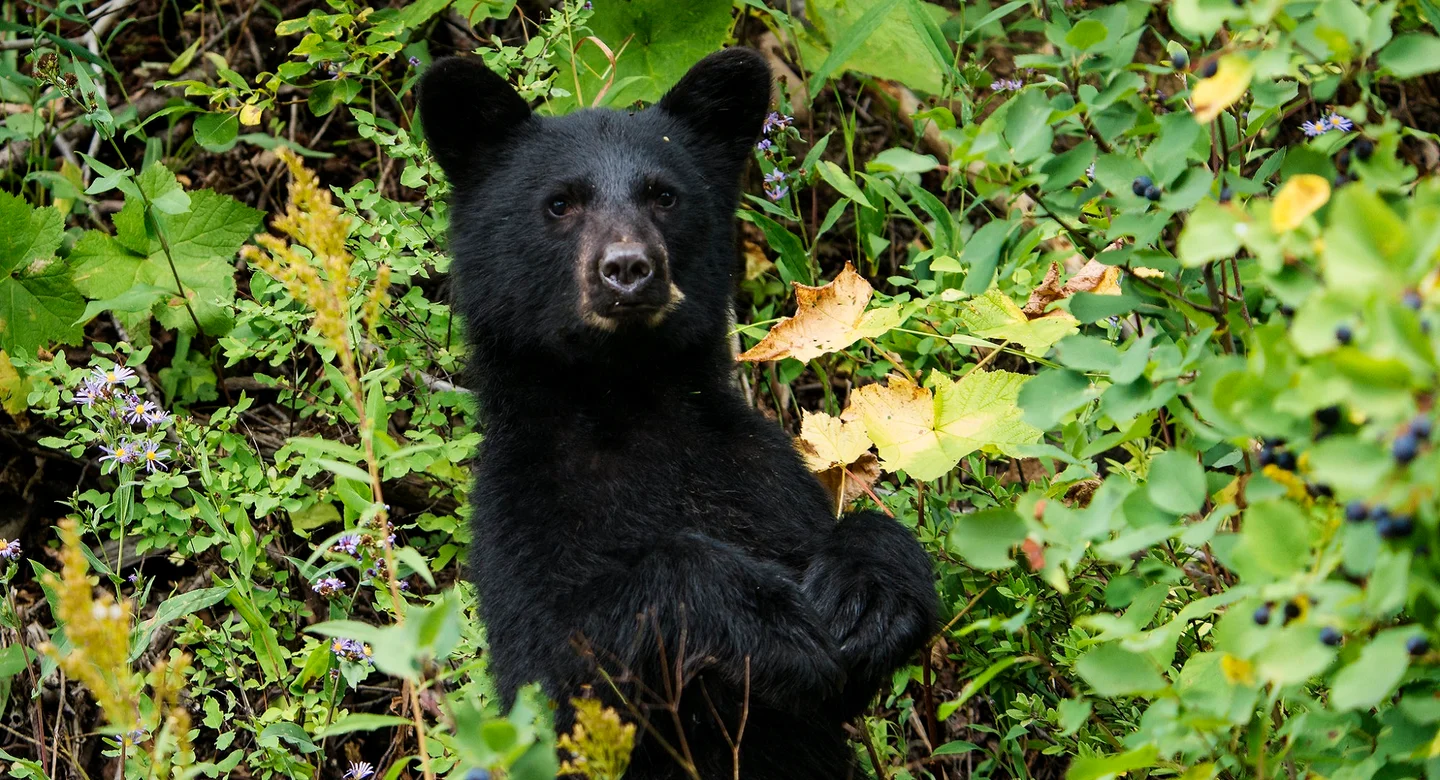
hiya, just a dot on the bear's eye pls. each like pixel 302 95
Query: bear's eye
pixel 664 199
pixel 559 207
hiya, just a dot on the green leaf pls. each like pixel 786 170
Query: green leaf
pixel 984 538
pixel 957 747
pixel 1086 33
pixel 660 41
pixel 216 131
pixel 1027 126
pixel 877 39
pixel 1096 767
pixel 1274 542
pixel 362 721
pixel 38 302
pixel 1411 55
pixel 171 609
pixel 994 316
pixel 902 161
pixel 851 41
pixel 1371 678
pixel 163 190
pixel 140 298
pixel 326 95
pixel 203 244
pixel 1053 394
pixel 982 254
pixel 837 178
pixel 1114 671
pixel 1210 234
pixel 1177 482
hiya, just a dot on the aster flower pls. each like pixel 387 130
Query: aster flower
pixel 359 770
pixel 90 392
pixel 350 650
pixel 414 62
pixel 328 586
pixel 1006 85
pixel 1313 129
pixel 775 189
pixel 157 417
pixel 122 452
pixel 1090 172
pixel 113 376
pixel 137 410
pixel 153 457
pixel 765 145
pixel 348 544
pixel 1340 123
pixel 775 122
pixel 11 550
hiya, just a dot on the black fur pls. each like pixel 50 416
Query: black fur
pixel 630 508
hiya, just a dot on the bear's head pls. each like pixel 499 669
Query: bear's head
pixel 601 232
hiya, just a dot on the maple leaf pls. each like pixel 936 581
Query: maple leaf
pixel 994 316
pixel 828 318
pixel 838 451
pixel 926 434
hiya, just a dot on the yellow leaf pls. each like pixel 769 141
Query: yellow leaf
pixel 828 318
pixel 1238 671
pixel 827 442
pixel 250 114
pixel 994 316
pixel 1146 272
pixel 756 263
pixel 1220 91
pixel 926 434
pixel 13 389
pixel 1302 195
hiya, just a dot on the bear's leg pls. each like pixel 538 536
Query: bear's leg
pixel 873 586
pixel 716 607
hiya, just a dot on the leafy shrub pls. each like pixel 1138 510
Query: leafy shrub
pixel 1130 315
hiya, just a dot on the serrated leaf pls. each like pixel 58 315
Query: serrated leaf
pixel 655 41
pixel 994 316
pixel 828 318
pixel 203 244
pixel 926 434
pixel 38 302
pixel 827 442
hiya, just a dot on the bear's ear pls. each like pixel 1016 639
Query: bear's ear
pixel 724 98
pixel 465 106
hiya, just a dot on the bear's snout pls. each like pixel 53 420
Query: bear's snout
pixel 629 282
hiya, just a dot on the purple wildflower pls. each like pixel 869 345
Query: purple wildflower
pixel 138 410
pixel 1006 85
pixel 775 189
pixel 776 122
pixel 11 550
pixel 765 145
pixel 153 457
pixel 589 6
pixel 328 586
pixel 1340 123
pixel 1313 129
pixel 348 544
pixel 157 417
pixel 359 770
pixel 1090 172
pixel 122 452
pixel 414 62
pixel 91 391
pixel 110 377
pixel 350 650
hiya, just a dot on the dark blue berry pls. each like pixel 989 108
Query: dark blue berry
pixel 1422 427
pixel 1273 442
pixel 1405 448
pixel 1285 459
pixel 1153 192
pixel 1328 416
pixel 1344 334
pixel 1319 490
pixel 1395 527
pixel 1417 645
pixel 1180 60
pixel 1331 636
pixel 1356 512
pixel 1262 613
pixel 1267 456
pixel 1141 184
pixel 1208 69
pixel 478 774
pixel 1287 311
pixel 1292 611
pixel 1412 300
pixel 1364 148
pixel 1226 194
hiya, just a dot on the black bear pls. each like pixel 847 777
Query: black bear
pixel 640 533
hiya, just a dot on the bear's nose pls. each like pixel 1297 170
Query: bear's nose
pixel 625 268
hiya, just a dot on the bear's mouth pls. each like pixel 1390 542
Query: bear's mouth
pixel 650 312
